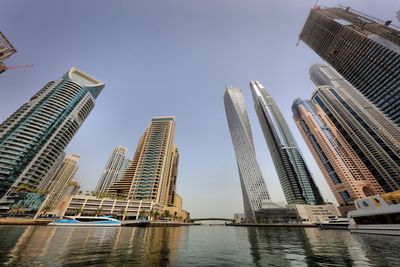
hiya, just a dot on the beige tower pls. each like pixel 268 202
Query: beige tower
pixel 346 174
pixel 60 183
pixel 152 174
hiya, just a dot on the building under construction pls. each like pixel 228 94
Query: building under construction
pixel 363 49
pixel 6 50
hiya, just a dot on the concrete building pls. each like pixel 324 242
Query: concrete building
pixel 124 209
pixel 153 172
pixel 62 179
pixel 346 174
pixel 310 214
pixel 363 49
pixel 6 50
pixel 254 190
pixel 297 182
pixel 274 213
pixel 149 183
pixel 32 139
pixel 112 170
pixel 60 208
pixel 374 137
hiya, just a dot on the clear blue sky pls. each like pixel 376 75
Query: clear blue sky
pixel 170 58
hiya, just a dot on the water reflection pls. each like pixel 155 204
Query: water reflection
pixel 32 245
pixel 193 246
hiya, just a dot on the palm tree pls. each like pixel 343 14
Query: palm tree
pixel 46 209
pixel 151 214
pixel 122 213
pixel 156 214
pixel 99 212
pixel 77 211
pixel 141 213
pixel 22 188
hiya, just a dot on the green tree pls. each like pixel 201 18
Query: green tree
pixel 99 212
pixel 122 213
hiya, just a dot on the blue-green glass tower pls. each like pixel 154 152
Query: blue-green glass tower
pixel 33 139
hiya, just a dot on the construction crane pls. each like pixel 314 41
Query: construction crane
pixel 4 67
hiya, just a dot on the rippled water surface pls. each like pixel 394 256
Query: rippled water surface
pixel 193 246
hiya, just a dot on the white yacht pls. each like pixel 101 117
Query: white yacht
pixel 335 223
pixel 375 216
pixel 86 221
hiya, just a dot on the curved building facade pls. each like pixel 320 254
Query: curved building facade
pixel 252 182
pixel 297 182
pixel 32 139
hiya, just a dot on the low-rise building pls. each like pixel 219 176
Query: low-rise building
pixel 124 209
pixel 272 212
pixel 310 214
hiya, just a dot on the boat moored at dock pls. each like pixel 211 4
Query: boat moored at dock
pixel 86 221
pixel 374 215
pixel 335 223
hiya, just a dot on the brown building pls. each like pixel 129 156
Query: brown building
pixel 346 174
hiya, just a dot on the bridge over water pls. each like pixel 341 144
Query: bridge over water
pixel 212 219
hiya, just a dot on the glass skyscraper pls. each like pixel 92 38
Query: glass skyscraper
pixel 374 137
pixel 252 182
pixel 297 182
pixel 364 50
pixel 34 137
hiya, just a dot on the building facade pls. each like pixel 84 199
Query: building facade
pixel 153 172
pixel 374 137
pixel 297 182
pixel 33 138
pixel 60 182
pixel 112 170
pixel 252 182
pixel 311 214
pixel 364 50
pixel 344 171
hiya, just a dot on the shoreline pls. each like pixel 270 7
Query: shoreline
pixel 273 225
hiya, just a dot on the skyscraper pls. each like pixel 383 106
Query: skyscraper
pixel 6 50
pixel 152 174
pixel 374 137
pixel 364 50
pixel 32 139
pixel 112 169
pixel 252 182
pixel 297 182
pixel 346 174
pixel 61 181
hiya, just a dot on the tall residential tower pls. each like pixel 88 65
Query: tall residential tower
pixel 154 169
pixel 115 165
pixel 297 182
pixel 252 182
pixel 363 49
pixel 35 136
pixel 61 181
pixel 346 174
pixel 374 137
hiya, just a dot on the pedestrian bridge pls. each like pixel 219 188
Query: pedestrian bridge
pixel 212 219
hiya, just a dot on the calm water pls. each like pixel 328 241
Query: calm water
pixel 193 246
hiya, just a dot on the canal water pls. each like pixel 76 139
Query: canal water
pixel 193 246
